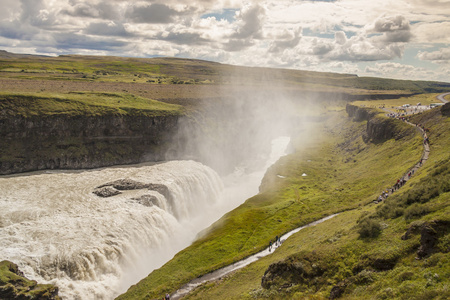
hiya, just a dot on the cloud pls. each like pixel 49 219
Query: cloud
pixel 80 41
pixel 106 29
pixel 391 24
pixel 102 10
pixel 432 32
pixel 186 38
pixel 249 22
pixel 238 44
pixel 439 56
pixel 395 29
pixel 285 41
pixel 152 14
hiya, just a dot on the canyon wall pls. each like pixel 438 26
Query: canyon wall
pixel 74 142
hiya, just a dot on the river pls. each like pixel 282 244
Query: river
pixel 58 231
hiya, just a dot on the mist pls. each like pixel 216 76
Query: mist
pixel 236 129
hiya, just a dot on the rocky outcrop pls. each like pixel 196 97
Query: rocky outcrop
pixel 106 191
pixel 291 271
pixel 430 233
pixel 75 142
pixel 115 187
pixel 445 109
pixel 13 285
pixel 429 236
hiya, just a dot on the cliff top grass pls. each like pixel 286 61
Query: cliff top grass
pixel 84 104
pixel 343 172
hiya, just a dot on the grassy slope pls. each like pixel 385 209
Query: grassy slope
pixel 343 173
pixel 335 246
pixel 85 104
pixel 337 249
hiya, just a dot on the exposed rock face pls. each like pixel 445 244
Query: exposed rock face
pixel 13 285
pixel 360 113
pixel 74 142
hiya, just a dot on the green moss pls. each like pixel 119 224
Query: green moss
pixel 13 285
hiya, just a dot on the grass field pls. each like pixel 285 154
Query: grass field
pixel 83 103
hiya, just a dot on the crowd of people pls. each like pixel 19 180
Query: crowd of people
pixel 401 182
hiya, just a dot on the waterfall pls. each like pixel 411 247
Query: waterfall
pixel 58 231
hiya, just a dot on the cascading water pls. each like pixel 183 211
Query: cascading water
pixel 58 231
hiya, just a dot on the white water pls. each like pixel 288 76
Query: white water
pixel 58 231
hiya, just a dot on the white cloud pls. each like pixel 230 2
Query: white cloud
pixel 439 56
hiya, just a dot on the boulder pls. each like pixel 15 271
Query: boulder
pixel 106 191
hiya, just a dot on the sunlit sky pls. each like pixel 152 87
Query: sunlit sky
pixel 405 39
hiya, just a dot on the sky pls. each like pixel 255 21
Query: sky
pixel 402 39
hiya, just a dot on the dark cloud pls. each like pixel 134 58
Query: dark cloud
pixel 395 29
pixel 17 30
pixel 152 14
pixel 102 10
pixel 35 13
pixel 186 38
pixel 234 45
pixel 81 41
pixel 107 29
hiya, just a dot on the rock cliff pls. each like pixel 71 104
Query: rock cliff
pixel 73 142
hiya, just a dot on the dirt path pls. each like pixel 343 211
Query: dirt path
pixel 410 172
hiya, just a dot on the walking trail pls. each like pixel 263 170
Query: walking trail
pixel 184 290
